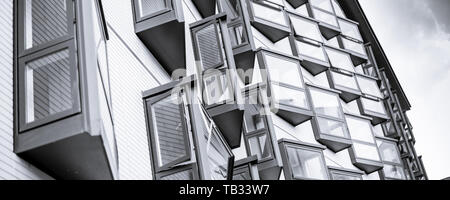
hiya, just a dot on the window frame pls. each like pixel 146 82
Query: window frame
pixel 269 5
pixel 284 144
pixel 308 20
pixel 138 18
pixel 193 168
pixel 21 23
pixel 377 117
pixel 345 172
pixel 197 53
pixel 313 65
pixel 149 102
pixel 394 164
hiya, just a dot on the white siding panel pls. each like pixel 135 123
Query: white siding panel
pixel 11 166
pixel 133 69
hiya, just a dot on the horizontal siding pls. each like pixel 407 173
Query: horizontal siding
pixel 11 166
pixel 133 69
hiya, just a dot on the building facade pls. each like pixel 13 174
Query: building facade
pixel 199 89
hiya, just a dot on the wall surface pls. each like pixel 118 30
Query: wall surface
pixel 11 166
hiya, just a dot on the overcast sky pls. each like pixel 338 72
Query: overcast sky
pixel 415 35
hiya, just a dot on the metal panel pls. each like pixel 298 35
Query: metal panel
pixel 11 166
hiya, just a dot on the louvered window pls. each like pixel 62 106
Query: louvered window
pixel 149 8
pixel 209 48
pixel 48 73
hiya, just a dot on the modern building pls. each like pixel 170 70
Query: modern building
pixel 199 89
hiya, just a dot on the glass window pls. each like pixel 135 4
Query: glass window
pixel 340 60
pixel 325 17
pixel 260 146
pixel 284 71
pixel 360 129
pixel 149 7
pixel 373 106
pixel 45 21
pixel 306 164
pixel 169 132
pixel 366 151
pixel 48 86
pixel 332 127
pixel 395 172
pixel 344 80
pixel 369 86
pixel 310 50
pixel 218 156
pixel 253 118
pixel 217 89
pixel 323 4
pixel 345 176
pixel 349 29
pixel 326 104
pixel 338 10
pixel 269 14
pixel 306 28
pixel 242 174
pixel 291 97
pixel 354 46
pixel 209 48
pixel 389 152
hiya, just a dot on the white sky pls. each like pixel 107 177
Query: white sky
pixel 415 35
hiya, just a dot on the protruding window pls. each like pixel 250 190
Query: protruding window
pixel 269 18
pixel 345 174
pixel 390 155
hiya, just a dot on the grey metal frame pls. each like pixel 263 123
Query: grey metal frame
pixel 377 118
pixel 344 172
pixel 313 65
pixel 328 30
pixel 347 94
pixel 400 164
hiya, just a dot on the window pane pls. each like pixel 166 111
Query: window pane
pixel 388 151
pixel 208 47
pixel 354 46
pixel 345 177
pixel 323 4
pixel 289 96
pixel 350 30
pixel 344 80
pixel 306 164
pixel 311 50
pixel 253 119
pixel 340 60
pixel 260 146
pixel 183 176
pixel 326 104
pixel 269 14
pixel 331 127
pixel 217 157
pixel 45 21
pixel 242 176
pixel 395 172
pixel 217 89
pixel 374 106
pixel 48 86
pixel 306 28
pixel 148 7
pixel 366 151
pixel 360 129
pixel 169 130
pixel 325 17
pixel 284 71
pixel 369 86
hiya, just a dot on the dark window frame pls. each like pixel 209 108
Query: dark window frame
pixel 152 140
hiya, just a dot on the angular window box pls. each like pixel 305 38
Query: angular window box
pixel 160 26
pixel 246 169
pixel 179 127
pixel 298 155
pixel 323 11
pixel 329 123
pixel 286 88
pixel 56 75
pixel 390 155
pixel 345 83
pixel 259 133
pixel 297 3
pixel 345 174
pixel 312 55
pixel 373 108
pixel 364 152
pixel 269 18
pixel 369 86
pixel 217 72
pixel 356 48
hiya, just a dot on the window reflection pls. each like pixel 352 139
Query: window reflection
pixel 291 97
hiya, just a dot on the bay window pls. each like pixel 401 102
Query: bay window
pixel 286 87
pixel 328 124
pixel 305 27
pixel 269 18
pixel 369 86
pixel 373 108
pixel 350 29
pixel 357 50
pixel 323 11
pixel 312 55
pixel 303 161
pixel 364 152
pixel 345 174
pixel 393 168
